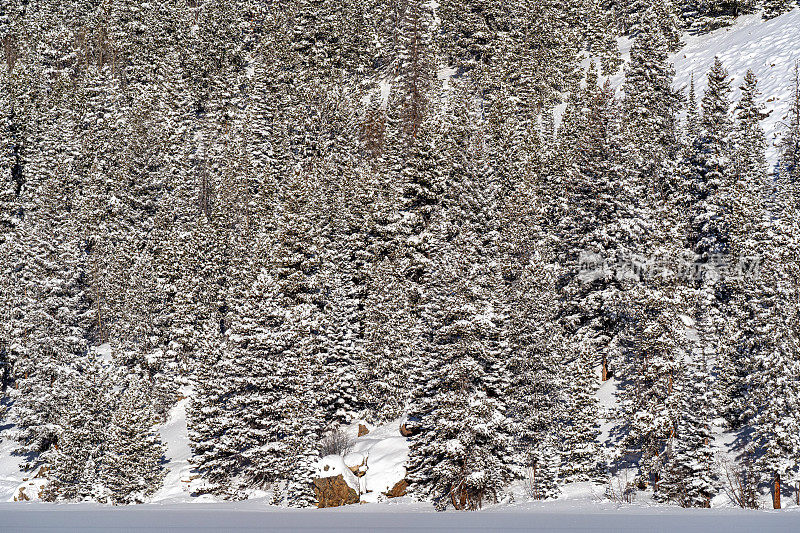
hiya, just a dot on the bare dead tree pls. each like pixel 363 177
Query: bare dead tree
pixel 741 481
pixel 621 489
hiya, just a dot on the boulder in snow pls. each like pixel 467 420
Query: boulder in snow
pixel 334 483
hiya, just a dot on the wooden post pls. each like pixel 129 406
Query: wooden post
pixel 776 492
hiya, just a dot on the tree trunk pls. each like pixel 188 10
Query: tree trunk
pixel 776 492
pixel 605 368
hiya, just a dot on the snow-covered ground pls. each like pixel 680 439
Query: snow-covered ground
pixel 254 515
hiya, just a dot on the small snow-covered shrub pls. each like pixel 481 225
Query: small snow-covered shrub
pixel 337 442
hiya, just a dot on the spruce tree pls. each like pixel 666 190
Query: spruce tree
pixel 709 177
pixel 689 477
pixel 462 452
pixel 651 105
pixel 750 236
pixel 132 467
pixel 76 463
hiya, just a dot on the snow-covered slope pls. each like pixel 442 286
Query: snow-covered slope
pixel 179 482
pixel 770 48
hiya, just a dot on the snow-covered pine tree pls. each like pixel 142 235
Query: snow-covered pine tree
pixel 648 367
pixel 651 105
pixel 273 354
pixel 546 53
pixel 689 472
pixel 400 229
pixel 600 35
pixel 462 450
pixel 211 423
pixel 770 317
pixel 536 344
pixel 591 235
pixel 55 313
pixel 631 15
pixel 12 210
pixel 132 467
pixel 76 462
pixel 750 236
pixel 535 400
pixel 776 374
pixel 710 160
pixel 581 456
pixel 345 287
pixel 708 177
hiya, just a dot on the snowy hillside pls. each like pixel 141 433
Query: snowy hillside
pixel 399 256
pixel 770 48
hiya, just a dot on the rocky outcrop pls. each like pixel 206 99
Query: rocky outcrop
pixel 362 430
pixel 400 489
pixel 334 492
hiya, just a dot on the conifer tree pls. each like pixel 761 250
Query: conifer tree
pixel 132 467
pixel 689 471
pixel 709 176
pixel 210 420
pixel 581 456
pixel 651 104
pixel 535 399
pixel 76 463
pixel 591 228
pixel 462 452
pixel 750 236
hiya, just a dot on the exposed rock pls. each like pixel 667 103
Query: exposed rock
pixel 334 492
pixel 21 497
pixel 357 463
pixel 400 489
pixel 362 430
pixel 404 431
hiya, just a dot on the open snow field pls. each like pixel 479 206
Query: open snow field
pixel 255 516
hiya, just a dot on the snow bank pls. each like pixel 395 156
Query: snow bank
pixel 386 455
